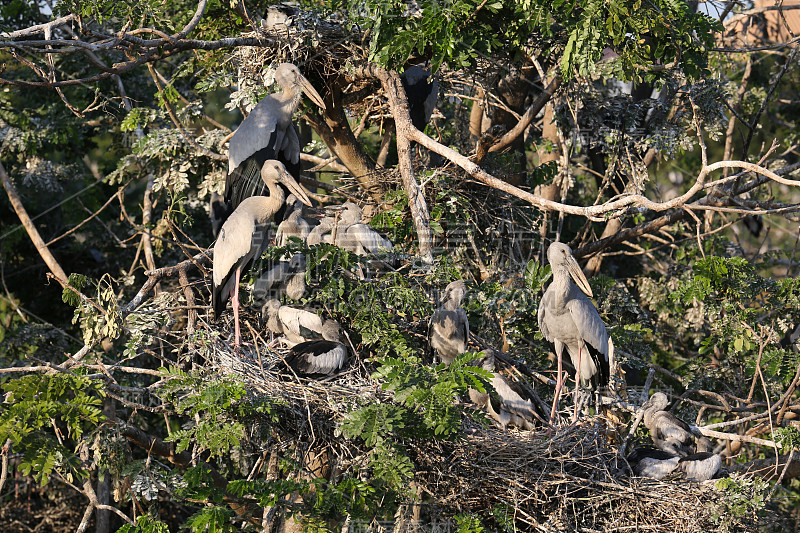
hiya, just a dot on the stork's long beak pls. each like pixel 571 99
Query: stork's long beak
pixel 577 275
pixel 311 92
pixel 293 186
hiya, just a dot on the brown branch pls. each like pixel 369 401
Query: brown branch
pixel 398 102
pixel 528 117
pixel 154 276
pixel 770 469
pixel 33 233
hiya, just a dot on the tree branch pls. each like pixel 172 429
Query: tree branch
pixel 33 233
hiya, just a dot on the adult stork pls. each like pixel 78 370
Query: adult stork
pixel 267 133
pixel 448 330
pixel 669 433
pixel 568 319
pixel 244 236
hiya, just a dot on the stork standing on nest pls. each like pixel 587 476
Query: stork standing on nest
pixel 267 133
pixel 448 331
pixel 244 236
pixel 568 319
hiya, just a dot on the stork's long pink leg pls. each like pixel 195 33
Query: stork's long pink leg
pixel 559 384
pixel 235 303
pixel 577 384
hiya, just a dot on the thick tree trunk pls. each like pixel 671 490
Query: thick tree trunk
pixel 334 129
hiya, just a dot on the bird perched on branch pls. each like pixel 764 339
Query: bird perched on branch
pixel 448 330
pixel 267 133
pixel 568 319
pixel 244 236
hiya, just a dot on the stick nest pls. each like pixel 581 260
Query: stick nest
pixel 570 481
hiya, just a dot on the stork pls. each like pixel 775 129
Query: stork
pixel 510 406
pixel 297 325
pixel 652 462
pixel 567 318
pixel 669 433
pixel 701 465
pixel 267 133
pixel 421 94
pixel 324 356
pixel 284 277
pixel 356 237
pixel 292 226
pixel 243 237
pixel 448 330
pixel 321 232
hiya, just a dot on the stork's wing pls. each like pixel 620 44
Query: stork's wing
pixel 369 239
pixel 543 305
pixel 590 325
pixel 448 333
pixel 240 240
pixel 255 132
pixel 244 168
pixel 463 323
pixel 317 357
pixel 301 322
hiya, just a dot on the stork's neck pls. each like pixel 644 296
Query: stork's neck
pixel 290 98
pixel 269 205
pixel 451 304
pixel 562 286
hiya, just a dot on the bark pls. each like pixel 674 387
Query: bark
pixel 33 233
pixel 403 126
pixel 103 518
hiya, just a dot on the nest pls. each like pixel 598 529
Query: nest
pixel 570 481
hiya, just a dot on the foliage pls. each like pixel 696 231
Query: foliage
pixel 218 405
pixel 37 402
pixel 145 524
pixel 742 497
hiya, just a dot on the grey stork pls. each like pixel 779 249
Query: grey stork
pixel 510 406
pixel 669 433
pixel 448 330
pixel 244 236
pixel 324 356
pixel 568 319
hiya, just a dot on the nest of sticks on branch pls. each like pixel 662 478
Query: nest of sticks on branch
pixel 572 480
